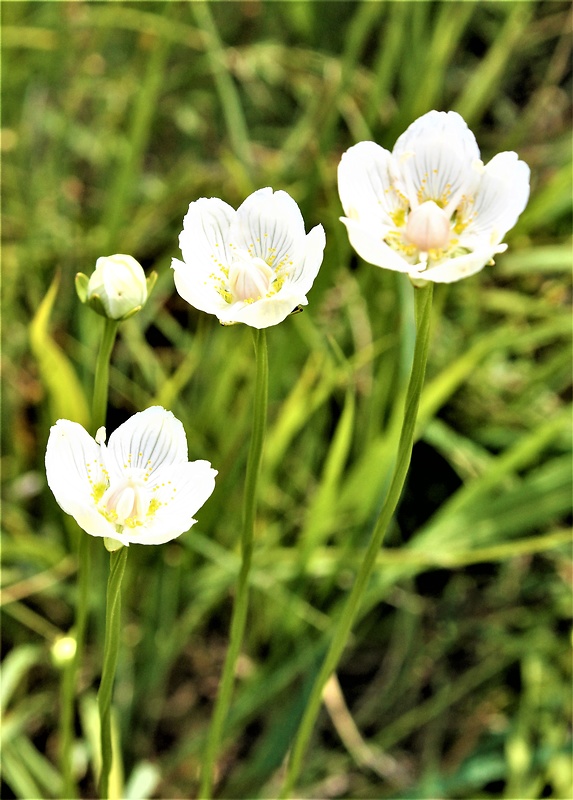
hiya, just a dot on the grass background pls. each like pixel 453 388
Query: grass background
pixel 456 683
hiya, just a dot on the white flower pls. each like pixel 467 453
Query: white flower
pixel 254 265
pixel 431 208
pixel 139 489
pixel 117 288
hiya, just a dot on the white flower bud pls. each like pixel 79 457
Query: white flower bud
pixel 117 288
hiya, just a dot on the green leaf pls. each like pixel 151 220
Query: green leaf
pixel 15 775
pixel 67 398
pixel 14 667
pixel 37 767
pixel 143 781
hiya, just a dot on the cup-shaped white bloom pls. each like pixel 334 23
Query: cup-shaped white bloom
pixel 117 288
pixel 139 489
pixel 254 265
pixel 430 208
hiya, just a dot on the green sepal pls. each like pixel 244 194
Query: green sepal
pixel 111 545
pixel 82 286
pixel 130 313
pixel 96 305
pixel 418 283
pixel 151 280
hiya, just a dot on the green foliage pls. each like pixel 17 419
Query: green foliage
pixel 67 398
pixel 456 680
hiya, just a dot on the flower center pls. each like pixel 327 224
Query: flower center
pixel 250 278
pixel 126 503
pixel 428 227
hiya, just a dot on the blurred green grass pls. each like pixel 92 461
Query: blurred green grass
pixel 115 117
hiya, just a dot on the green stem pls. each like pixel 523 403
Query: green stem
pixel 69 678
pixel 66 728
pixel 344 625
pixel 242 595
pixel 117 563
pixel 101 385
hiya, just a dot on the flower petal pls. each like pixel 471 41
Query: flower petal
pixel 198 289
pixel 436 157
pixel 454 269
pixel 502 195
pixel 147 441
pixel 266 312
pixel 441 126
pixel 368 243
pixel 180 490
pixel 302 275
pixel 366 184
pixel 74 471
pixel 205 235
pixel 269 225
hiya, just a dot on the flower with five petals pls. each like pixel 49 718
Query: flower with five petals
pixel 140 488
pixel 430 208
pixel 254 265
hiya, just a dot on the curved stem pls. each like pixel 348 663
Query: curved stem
pixel 117 564
pixel 242 595
pixel 101 384
pixel 423 316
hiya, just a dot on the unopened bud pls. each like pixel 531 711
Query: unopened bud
pixel 117 289
pixel 64 650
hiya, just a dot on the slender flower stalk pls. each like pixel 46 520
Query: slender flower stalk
pixel 423 297
pixel 101 384
pixel 116 290
pixel 99 415
pixel 255 266
pixel 118 560
pixel 71 672
pixel 242 593
pixel 99 409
